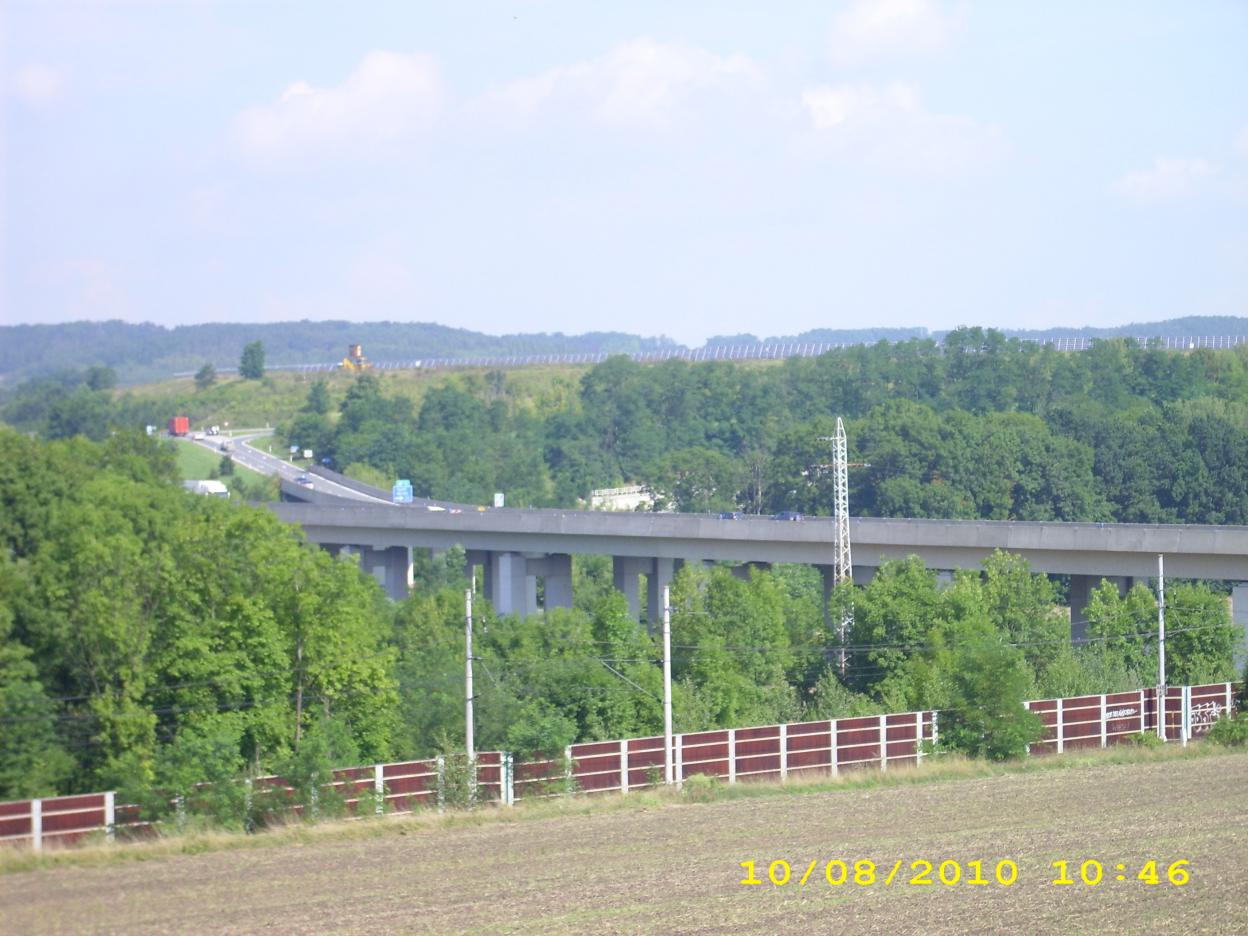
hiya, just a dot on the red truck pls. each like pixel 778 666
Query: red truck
pixel 179 425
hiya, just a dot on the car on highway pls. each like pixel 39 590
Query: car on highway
pixel 791 515
pixel 731 515
pixel 304 480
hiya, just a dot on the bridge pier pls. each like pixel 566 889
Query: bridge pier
pixel 1081 588
pixel 391 566
pixel 510 579
pixel 626 572
pixel 508 585
pixel 555 571
pixel 1239 617
pixel 656 580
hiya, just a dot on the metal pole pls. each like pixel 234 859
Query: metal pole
pixel 667 686
pixel 468 674
pixel 1161 647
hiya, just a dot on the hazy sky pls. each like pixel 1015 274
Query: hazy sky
pixel 663 168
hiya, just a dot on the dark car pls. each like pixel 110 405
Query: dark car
pixel 787 515
pixel 731 515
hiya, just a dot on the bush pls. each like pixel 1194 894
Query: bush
pixel 1145 739
pixel 988 718
pixel 456 781
pixel 701 788
pixel 1230 730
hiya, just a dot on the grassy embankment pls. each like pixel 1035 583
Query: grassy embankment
pixel 196 463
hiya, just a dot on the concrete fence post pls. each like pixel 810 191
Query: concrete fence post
pixel 36 824
pixel 679 766
pixel 624 766
pixel 1104 724
pixel 918 738
pixel 834 761
pixel 732 755
pixel 506 779
pixel 1143 722
pixel 784 753
pixel 110 815
pixel 1061 726
pixel 1229 700
pixel 883 742
pixel 568 777
pixel 935 729
pixel 1186 731
pixel 379 789
pixel 441 768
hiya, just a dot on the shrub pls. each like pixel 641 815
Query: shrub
pixel 1230 730
pixel 1145 739
pixel 701 788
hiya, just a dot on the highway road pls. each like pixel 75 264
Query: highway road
pixel 250 456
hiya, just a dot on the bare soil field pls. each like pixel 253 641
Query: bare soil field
pixel 675 868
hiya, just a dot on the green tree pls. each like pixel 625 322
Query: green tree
pixel 205 377
pixel 318 400
pixel 251 365
pixel 101 378
pixel 987 717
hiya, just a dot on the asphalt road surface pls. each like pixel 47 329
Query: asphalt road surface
pixel 250 456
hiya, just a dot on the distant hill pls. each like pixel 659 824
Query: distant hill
pixel 146 352
pixel 149 352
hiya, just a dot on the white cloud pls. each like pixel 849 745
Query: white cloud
pixel 886 125
pixel 1165 180
pixel 639 84
pixel 38 86
pixel 889 29
pixel 388 98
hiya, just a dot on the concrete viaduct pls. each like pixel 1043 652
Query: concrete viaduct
pixel 517 547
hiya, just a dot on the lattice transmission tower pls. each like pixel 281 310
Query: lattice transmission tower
pixel 842 557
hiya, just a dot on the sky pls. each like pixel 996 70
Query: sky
pixel 680 169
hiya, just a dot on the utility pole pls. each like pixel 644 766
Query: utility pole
pixel 468 741
pixel 1161 648
pixel 842 554
pixel 667 686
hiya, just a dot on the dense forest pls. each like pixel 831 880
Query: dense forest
pixel 151 639
pixel 979 427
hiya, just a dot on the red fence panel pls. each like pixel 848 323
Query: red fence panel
pixel 809 747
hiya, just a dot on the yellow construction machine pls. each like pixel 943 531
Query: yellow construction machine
pixel 354 361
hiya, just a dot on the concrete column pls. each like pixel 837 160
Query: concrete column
pixel 474 558
pixel 398 572
pixel 664 569
pixel 391 567
pixel 1081 588
pixel 507 585
pixel 864 574
pixel 556 574
pixel 1239 617
pixel 625 575
pixel 829 583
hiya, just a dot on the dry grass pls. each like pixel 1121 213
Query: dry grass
pixel 660 863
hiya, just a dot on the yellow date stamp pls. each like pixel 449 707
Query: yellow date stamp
pixel 921 872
